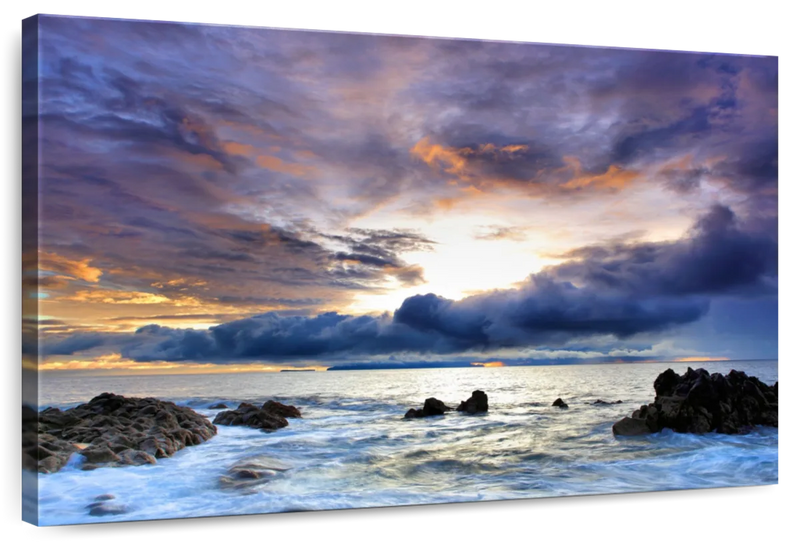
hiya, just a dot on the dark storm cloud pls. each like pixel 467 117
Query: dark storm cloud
pixel 76 343
pixel 615 290
pixel 719 257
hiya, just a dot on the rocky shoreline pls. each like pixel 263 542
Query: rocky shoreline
pixel 110 430
pixel 113 431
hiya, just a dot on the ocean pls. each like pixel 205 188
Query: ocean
pixel 353 449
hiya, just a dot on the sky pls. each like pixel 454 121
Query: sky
pixel 227 198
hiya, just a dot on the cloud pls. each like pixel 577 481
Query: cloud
pixel 63 266
pixel 618 290
pixel 222 153
pixel 496 232
pixel 717 257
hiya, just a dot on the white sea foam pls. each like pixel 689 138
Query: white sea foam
pixel 353 449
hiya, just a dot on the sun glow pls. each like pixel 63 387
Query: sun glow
pixel 463 264
pixel 701 359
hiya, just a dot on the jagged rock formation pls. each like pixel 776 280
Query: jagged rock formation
pixel 699 402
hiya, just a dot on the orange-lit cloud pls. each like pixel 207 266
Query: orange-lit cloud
pixel 457 163
pixel 115 363
pixel 615 177
pixel 306 154
pixel 489 364
pixel 110 296
pixel 440 157
pixel 236 148
pixel 179 283
pixel 275 164
pixel 76 269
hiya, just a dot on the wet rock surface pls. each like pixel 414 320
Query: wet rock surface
pixel 269 417
pixel 699 402
pixel 477 403
pixel 252 472
pixel 283 410
pixel 432 407
pixel 110 430
pixel 105 505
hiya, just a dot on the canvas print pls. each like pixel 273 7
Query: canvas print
pixel 275 270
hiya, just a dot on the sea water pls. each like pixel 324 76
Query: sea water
pixel 353 449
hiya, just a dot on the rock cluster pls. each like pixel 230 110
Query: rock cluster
pixel 269 417
pixel 432 407
pixel 560 403
pixel 110 430
pixel 478 402
pixel 699 402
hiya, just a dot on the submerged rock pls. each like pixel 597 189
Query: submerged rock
pixel 106 509
pixel 218 406
pixel 699 402
pixel 252 472
pixel 432 407
pixel 110 430
pixel 478 402
pixel 560 403
pixel 105 497
pixel 604 402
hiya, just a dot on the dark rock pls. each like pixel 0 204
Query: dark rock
pixel 699 402
pixel 218 406
pixel 50 465
pixel 560 403
pixel 100 454
pixel 106 509
pixel 478 402
pixel 600 402
pixel 246 474
pixel 251 472
pixel 629 426
pixel 432 407
pixel 110 430
pixel 283 410
pixel 249 415
pixel 105 497
pixel 136 458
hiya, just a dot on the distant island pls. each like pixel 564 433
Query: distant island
pixel 398 365
pixel 299 370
